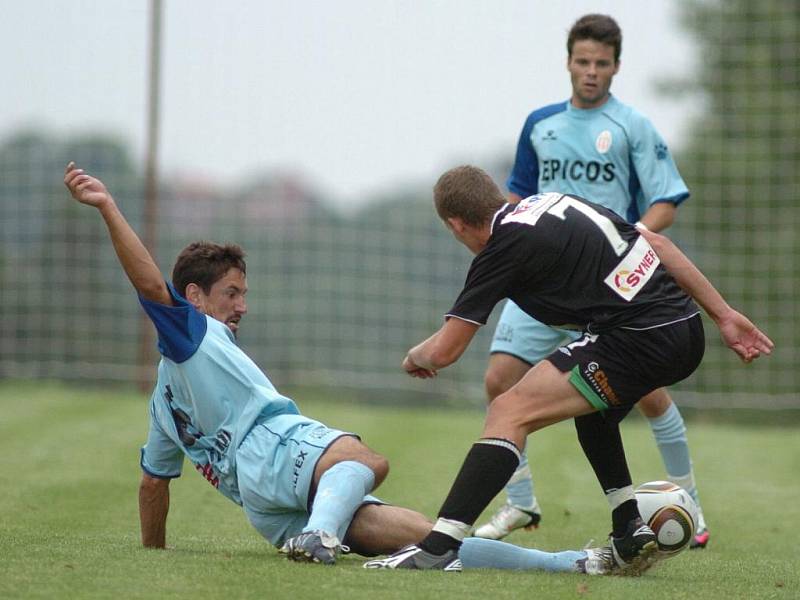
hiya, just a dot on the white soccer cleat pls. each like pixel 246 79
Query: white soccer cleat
pixel 598 561
pixel 507 519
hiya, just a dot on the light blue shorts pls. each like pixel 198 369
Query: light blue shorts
pixel 522 336
pixel 275 467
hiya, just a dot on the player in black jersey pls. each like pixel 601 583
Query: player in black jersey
pixel 572 264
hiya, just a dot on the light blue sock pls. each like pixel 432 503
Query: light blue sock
pixel 520 487
pixel 670 433
pixel 340 492
pixel 479 553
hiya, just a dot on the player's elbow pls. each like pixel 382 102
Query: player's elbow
pixel 154 291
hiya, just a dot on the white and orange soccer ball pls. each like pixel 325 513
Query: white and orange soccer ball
pixel 670 512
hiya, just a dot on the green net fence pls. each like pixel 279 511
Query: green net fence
pixel 337 299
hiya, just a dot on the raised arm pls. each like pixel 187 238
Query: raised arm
pixel 139 266
pixel 738 333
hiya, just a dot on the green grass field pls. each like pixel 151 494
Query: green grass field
pixel 69 525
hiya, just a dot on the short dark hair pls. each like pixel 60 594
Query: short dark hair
pixel 600 28
pixel 204 263
pixel 468 193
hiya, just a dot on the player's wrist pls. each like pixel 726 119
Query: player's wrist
pixel 722 315
pixel 107 206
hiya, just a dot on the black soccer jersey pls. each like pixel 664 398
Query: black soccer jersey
pixel 574 264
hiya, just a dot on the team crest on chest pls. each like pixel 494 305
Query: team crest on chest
pixel 603 141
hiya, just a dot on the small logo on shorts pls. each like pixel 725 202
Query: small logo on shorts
pixel 587 338
pixel 599 381
pixel 319 433
pixel 504 333
pixel 298 464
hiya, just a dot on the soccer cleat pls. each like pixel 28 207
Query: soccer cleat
pixel 312 546
pixel 598 561
pixel 414 557
pixel 508 518
pixel 636 551
pixel 700 539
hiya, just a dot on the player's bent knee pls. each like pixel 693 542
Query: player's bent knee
pixel 379 466
pixel 349 448
pixel 506 418
pixel 494 383
pixel 655 404
pixel 152 484
pixel 378 463
pixel 503 372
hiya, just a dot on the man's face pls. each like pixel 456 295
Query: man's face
pixel 591 67
pixel 225 300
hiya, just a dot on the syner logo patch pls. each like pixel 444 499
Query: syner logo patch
pixel 634 271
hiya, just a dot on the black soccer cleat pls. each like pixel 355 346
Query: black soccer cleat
pixel 636 551
pixel 414 557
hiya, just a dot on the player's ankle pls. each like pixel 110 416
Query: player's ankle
pixel 622 515
pixel 439 543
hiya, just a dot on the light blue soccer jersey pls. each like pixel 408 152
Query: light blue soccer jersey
pixel 611 155
pixel 208 397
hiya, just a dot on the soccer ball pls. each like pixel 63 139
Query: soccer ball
pixel 670 512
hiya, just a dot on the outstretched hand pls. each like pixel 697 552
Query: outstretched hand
pixel 744 338
pixel 85 188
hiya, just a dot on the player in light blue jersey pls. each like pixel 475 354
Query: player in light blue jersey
pixel 303 486
pixel 596 147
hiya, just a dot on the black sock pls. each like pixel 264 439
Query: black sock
pixel 602 445
pixel 486 469
pixel 438 543
pixel 622 515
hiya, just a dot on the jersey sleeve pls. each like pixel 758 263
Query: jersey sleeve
pixel 161 457
pixel 654 166
pixel 489 280
pixel 181 328
pixel 524 178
